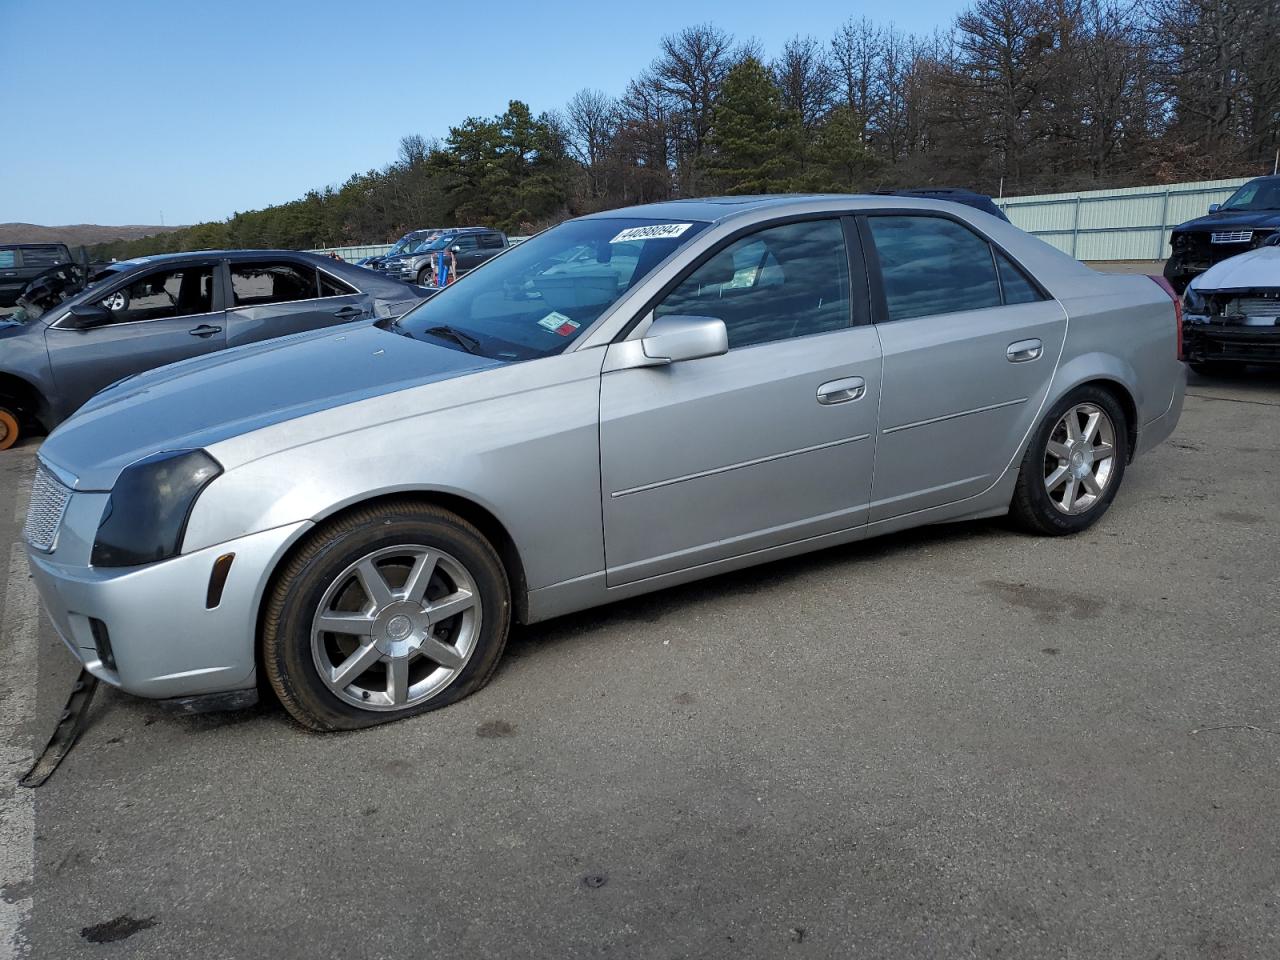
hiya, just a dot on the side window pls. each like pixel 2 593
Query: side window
pixel 333 287
pixel 8 258
pixel 1014 283
pixel 490 241
pixel 467 242
pixel 178 292
pixel 931 265
pixel 782 282
pixel 254 284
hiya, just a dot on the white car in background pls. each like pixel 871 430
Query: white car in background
pixel 1231 312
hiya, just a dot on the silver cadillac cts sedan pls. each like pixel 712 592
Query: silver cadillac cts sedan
pixel 627 401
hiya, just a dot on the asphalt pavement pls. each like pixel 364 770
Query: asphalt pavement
pixel 956 742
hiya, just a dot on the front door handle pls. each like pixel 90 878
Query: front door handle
pixel 346 313
pixel 1024 350
pixel 841 391
pixel 204 331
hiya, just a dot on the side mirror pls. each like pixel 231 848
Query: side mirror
pixel 1215 207
pixel 672 339
pixel 456 248
pixel 84 316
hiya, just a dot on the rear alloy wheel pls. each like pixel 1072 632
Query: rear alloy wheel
pixel 10 427
pixel 385 613
pixel 1073 465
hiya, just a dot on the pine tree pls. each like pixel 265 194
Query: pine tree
pixel 751 147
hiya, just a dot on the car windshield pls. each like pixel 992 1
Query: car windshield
pixel 535 299
pixel 420 245
pixel 1262 194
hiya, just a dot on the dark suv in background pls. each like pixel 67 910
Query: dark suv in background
pixel 20 263
pixel 1245 221
pixel 471 247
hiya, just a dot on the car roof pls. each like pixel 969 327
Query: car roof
pixel 716 209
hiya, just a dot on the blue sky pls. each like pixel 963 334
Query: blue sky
pixel 196 110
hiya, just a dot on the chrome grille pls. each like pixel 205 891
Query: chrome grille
pixel 49 500
pixel 1232 236
pixel 1258 307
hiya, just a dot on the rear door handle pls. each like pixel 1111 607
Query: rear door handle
pixel 841 391
pixel 204 331
pixel 346 313
pixel 1024 350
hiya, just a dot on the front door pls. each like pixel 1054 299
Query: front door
pixel 770 443
pixel 970 346
pixel 162 317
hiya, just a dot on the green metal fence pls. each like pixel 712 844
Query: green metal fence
pixel 1126 223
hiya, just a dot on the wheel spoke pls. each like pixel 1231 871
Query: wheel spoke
pixel 1069 493
pixel 374 584
pixel 398 679
pixel 352 624
pixel 441 653
pixel 1072 423
pixel 1059 450
pixel 1052 481
pixel 1091 425
pixel 356 664
pixel 415 585
pixel 1091 484
pixel 450 606
pixel 1102 451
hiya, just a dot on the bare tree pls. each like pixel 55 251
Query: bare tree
pixel 591 119
pixel 806 80
pixel 690 70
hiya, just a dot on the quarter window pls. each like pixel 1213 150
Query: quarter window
pixel 333 287
pixel 782 282
pixel 255 284
pixel 183 291
pixel 931 265
pixel 1014 284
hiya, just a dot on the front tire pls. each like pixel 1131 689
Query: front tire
pixel 1074 464
pixel 385 613
pixel 424 277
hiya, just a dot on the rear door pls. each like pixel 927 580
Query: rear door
pixel 466 249
pixel 770 443
pixel 277 296
pixel 970 345
pixel 162 316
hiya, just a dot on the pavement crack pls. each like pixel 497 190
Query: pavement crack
pixel 1237 726
pixel 1256 403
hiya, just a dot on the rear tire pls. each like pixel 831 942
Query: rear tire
pixel 10 427
pixel 1074 464
pixel 420 606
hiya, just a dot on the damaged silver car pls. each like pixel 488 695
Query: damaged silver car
pixel 1232 312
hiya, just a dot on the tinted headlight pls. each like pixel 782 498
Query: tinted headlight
pixel 1194 302
pixel 146 514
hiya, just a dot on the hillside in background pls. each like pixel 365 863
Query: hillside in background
pixel 76 234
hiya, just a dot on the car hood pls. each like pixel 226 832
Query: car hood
pixel 200 402
pixel 1245 271
pixel 1225 220
pixel 9 327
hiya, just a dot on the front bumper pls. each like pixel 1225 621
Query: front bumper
pixel 1233 342
pixel 147 630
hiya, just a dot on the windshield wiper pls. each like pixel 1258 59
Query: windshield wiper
pixel 467 342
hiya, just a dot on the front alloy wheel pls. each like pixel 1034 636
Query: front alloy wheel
pixel 384 612
pixel 396 627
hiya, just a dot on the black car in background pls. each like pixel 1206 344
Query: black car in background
pixel 979 201
pixel 1244 222
pixel 409 242
pixel 20 263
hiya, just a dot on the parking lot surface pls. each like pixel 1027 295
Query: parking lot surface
pixel 956 742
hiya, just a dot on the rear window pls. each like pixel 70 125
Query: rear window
pixel 44 256
pixel 256 284
pixel 333 287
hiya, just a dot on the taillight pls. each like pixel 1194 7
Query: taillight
pixel 1167 287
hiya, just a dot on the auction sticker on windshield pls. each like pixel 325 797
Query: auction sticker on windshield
pixel 655 231
pixel 557 322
